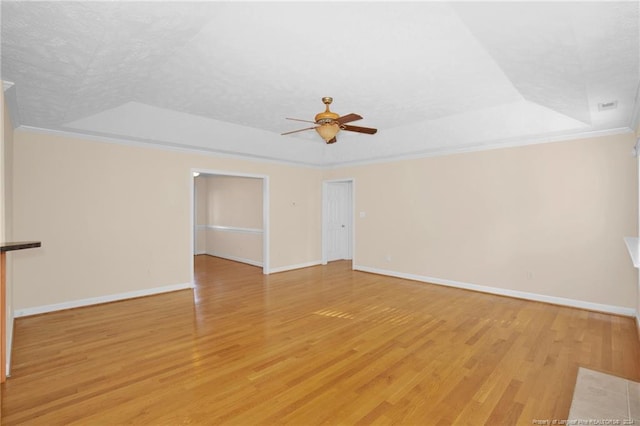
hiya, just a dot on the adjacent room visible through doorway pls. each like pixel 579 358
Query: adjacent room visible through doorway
pixel 230 217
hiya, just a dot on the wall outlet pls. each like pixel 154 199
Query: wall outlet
pixel 387 258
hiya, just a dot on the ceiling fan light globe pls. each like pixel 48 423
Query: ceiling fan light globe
pixel 328 131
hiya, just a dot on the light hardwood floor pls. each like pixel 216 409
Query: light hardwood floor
pixel 321 345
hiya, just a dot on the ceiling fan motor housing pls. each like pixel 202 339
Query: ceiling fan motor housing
pixel 326 116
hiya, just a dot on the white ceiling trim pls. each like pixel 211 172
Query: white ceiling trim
pixel 511 143
pixel 164 147
pixel 508 143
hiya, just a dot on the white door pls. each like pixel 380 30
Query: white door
pixel 338 221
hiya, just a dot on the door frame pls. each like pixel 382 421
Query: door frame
pixel 325 217
pixel 265 212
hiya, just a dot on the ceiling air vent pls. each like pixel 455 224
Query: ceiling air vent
pixel 606 106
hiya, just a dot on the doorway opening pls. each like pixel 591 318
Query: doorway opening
pixel 229 217
pixel 337 220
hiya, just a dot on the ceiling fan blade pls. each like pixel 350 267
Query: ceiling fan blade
pixel 367 130
pixel 296 131
pixel 348 118
pixel 304 121
pixel 332 140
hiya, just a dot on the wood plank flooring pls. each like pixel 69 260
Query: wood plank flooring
pixel 321 345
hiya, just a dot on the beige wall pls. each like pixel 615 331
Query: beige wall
pixel 235 201
pixel 114 219
pixel 546 219
pixel 239 246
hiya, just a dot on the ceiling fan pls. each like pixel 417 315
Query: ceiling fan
pixel 328 123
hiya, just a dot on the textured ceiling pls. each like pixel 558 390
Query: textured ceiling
pixel 433 77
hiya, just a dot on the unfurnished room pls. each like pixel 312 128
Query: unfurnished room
pixel 337 213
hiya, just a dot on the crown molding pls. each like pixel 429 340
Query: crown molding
pixel 189 149
pixel 437 152
pixel 496 144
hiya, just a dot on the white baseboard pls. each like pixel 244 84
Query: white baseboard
pixel 25 312
pixel 611 309
pixel 7 367
pixel 198 253
pixel 235 258
pixel 292 267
